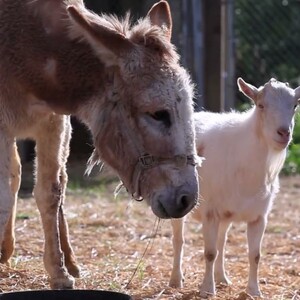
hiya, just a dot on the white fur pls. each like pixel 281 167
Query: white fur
pixel 244 153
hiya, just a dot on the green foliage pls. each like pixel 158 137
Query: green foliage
pixel 267 37
pixel 292 163
pixel 22 216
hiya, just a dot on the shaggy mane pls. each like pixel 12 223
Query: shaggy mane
pixel 141 32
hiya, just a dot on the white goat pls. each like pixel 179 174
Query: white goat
pixel 244 153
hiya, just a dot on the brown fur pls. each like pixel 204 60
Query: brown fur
pixel 56 59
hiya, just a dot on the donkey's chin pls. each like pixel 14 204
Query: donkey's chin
pixel 174 204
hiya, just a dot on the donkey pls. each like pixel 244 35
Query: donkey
pixel 124 81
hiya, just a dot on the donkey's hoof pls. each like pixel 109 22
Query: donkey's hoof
pixel 5 258
pixel 65 283
pixel 73 270
pixel 6 252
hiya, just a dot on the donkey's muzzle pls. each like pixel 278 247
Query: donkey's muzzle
pixel 174 204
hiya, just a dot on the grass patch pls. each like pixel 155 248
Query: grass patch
pixel 292 162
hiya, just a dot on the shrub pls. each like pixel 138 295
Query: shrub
pixel 292 163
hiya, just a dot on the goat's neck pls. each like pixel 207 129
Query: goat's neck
pixel 271 158
pixel 275 163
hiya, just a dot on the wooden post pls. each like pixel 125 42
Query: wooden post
pixel 228 83
pixel 192 45
pixel 212 54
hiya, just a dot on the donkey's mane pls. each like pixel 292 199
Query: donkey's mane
pixel 144 31
pixel 141 32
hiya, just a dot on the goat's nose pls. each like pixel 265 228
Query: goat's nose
pixel 284 132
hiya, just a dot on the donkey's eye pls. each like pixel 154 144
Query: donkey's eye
pixel 162 116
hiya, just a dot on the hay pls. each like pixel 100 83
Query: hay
pixel 110 236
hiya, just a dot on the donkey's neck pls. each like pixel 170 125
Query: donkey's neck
pixel 65 83
pixel 46 63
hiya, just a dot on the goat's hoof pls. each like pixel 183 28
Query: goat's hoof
pixel 254 291
pixel 66 283
pixel 222 280
pixel 206 293
pixel 176 283
pixel 73 270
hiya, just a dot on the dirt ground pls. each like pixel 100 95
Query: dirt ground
pixel 110 237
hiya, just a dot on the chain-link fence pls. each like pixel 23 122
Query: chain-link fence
pixel 267 37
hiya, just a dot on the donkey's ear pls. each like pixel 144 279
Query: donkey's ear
pixel 247 89
pixel 107 43
pixel 160 15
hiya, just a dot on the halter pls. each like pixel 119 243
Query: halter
pixel 146 161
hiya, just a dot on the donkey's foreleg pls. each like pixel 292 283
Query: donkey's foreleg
pixel 48 201
pixel 8 243
pixel 49 196
pixel 66 247
pixel 6 197
pixel 70 259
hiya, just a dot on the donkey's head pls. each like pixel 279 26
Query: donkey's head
pixel 143 128
pixel 276 103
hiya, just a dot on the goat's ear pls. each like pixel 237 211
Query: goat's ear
pixel 247 89
pixel 160 15
pixel 107 43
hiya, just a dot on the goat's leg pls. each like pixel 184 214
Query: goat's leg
pixel 176 279
pixel 220 274
pixel 49 194
pixel 210 235
pixel 8 244
pixel 70 260
pixel 255 232
pixel 6 197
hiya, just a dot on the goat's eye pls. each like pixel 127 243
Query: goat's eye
pixel 260 106
pixel 162 116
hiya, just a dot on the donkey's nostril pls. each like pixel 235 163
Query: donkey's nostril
pixel 166 207
pixel 183 201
